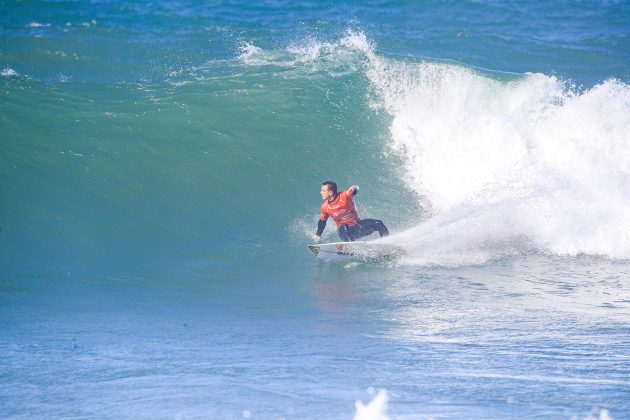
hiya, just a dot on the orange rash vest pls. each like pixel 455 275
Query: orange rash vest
pixel 341 209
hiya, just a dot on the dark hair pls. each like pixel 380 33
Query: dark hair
pixel 331 186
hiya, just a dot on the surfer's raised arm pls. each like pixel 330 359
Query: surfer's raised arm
pixel 343 211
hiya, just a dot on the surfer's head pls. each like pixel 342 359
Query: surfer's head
pixel 329 190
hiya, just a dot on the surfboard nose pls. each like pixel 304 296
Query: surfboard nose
pixel 314 249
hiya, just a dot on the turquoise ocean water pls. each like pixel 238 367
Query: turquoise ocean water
pixel 160 166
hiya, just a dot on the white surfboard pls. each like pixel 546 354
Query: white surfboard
pixel 357 251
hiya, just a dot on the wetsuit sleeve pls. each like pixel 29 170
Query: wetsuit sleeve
pixel 320 227
pixel 322 220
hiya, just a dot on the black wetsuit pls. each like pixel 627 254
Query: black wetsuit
pixel 363 228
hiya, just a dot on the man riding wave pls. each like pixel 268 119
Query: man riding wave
pixel 340 206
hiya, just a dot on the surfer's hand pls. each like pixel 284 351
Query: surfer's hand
pixel 354 189
pixel 317 238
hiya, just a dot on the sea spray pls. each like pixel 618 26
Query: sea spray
pixel 505 160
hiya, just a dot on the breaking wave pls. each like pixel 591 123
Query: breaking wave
pixel 504 164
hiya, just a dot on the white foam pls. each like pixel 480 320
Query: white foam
pixel 8 72
pixel 374 410
pixel 349 50
pixel 523 162
pixel 314 54
pixel 38 25
pixel 602 414
pixel 310 50
pixel 248 52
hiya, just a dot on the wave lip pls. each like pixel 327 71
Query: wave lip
pixel 349 51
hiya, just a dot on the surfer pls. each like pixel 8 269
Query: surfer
pixel 343 211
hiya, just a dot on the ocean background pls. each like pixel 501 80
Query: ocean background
pixel 160 167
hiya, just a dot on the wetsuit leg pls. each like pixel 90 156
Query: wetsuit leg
pixel 349 233
pixel 344 233
pixel 368 226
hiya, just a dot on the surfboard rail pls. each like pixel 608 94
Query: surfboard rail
pixel 360 251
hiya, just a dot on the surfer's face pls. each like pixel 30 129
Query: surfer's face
pixel 325 192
